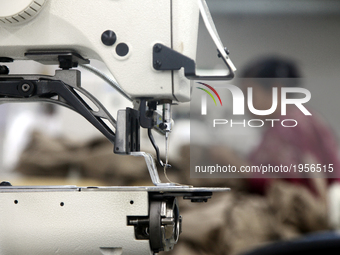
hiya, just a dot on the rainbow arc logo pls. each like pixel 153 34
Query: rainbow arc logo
pixel 209 93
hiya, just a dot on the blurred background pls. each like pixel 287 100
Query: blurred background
pixel 47 145
pixel 306 31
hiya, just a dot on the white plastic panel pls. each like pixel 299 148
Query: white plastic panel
pixel 78 25
pixel 91 222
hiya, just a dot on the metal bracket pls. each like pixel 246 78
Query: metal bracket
pixel 165 59
pixel 127 132
pixel 150 163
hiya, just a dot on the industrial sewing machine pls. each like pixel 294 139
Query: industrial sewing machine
pixel 149 47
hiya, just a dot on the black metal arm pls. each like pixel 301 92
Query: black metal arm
pixel 19 88
pixel 165 59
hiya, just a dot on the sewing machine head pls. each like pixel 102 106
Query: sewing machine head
pixel 128 36
pixel 149 46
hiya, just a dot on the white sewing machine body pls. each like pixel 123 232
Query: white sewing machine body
pixel 69 221
pixel 78 25
pixel 90 220
pixel 149 46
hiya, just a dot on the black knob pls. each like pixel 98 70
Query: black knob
pixel 5 183
pixel 122 49
pixel 109 38
pixel 162 126
pixel 4 70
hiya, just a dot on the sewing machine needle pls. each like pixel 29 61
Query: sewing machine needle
pixel 166 148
